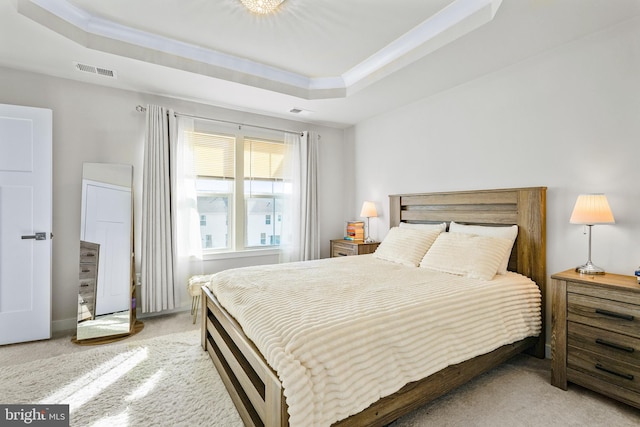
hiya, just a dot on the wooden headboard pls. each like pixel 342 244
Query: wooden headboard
pixel 525 207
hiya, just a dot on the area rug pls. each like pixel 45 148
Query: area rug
pixel 170 381
pixel 163 381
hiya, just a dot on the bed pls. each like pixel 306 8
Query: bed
pixel 257 390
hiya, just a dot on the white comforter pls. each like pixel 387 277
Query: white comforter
pixel 343 332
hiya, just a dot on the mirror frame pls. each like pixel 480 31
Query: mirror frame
pixel 119 318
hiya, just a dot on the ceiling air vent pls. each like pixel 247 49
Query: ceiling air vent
pixel 95 70
pixel 300 111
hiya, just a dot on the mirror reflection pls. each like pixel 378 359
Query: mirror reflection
pixel 105 279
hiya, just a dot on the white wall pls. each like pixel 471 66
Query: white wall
pixel 99 124
pixel 568 119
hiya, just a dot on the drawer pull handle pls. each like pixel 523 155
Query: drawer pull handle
pixel 610 371
pixel 84 285
pixel 342 254
pixel 90 255
pixel 614 345
pixel 614 314
pixel 85 271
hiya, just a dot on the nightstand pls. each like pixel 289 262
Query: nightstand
pixel 595 335
pixel 341 247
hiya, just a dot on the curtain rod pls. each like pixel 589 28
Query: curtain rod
pixel 142 109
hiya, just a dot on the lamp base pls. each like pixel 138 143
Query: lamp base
pixel 369 240
pixel 589 268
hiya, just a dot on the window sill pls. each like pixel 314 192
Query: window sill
pixel 240 254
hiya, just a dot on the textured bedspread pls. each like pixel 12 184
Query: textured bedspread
pixel 343 332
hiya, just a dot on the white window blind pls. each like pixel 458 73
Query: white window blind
pixel 214 155
pixel 263 159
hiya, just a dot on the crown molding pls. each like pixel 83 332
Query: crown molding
pixel 454 21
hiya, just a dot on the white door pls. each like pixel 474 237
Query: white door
pixel 107 221
pixel 25 212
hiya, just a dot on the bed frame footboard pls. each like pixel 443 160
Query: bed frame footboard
pixel 254 388
pixel 258 395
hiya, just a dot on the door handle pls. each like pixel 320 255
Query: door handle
pixel 37 236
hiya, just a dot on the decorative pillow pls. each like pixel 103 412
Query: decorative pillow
pixel 441 226
pixel 469 255
pixel 510 233
pixel 406 246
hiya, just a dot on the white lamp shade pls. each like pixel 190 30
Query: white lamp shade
pixel 368 210
pixel 592 209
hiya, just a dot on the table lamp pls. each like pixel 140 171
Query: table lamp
pixel 591 209
pixel 368 211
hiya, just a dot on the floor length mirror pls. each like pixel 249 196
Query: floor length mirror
pixel 106 299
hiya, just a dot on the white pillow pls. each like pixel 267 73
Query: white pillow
pixel 441 226
pixel 510 233
pixel 469 255
pixel 406 246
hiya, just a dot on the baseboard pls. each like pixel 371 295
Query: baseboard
pixel 63 325
pixel 140 315
pixel 66 325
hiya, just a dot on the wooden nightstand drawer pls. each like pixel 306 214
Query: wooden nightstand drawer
pixel 618 288
pixel 604 314
pixel 607 369
pixel 87 287
pixel 619 347
pixel 343 249
pixel 88 271
pixel 340 247
pixel 88 255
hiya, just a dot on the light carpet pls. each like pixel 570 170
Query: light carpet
pixel 518 393
pixel 170 381
pixel 163 381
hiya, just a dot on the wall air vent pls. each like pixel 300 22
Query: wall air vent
pixel 105 72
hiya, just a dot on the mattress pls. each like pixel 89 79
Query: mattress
pixel 341 333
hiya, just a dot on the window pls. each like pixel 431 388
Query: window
pixel 229 221
pixel 214 159
pixel 264 190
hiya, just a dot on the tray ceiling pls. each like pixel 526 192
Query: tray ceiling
pixel 336 61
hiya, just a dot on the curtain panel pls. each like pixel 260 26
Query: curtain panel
pixel 171 247
pixel 187 244
pixel 157 291
pixel 301 223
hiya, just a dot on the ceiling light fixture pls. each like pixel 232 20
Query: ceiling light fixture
pixel 262 7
